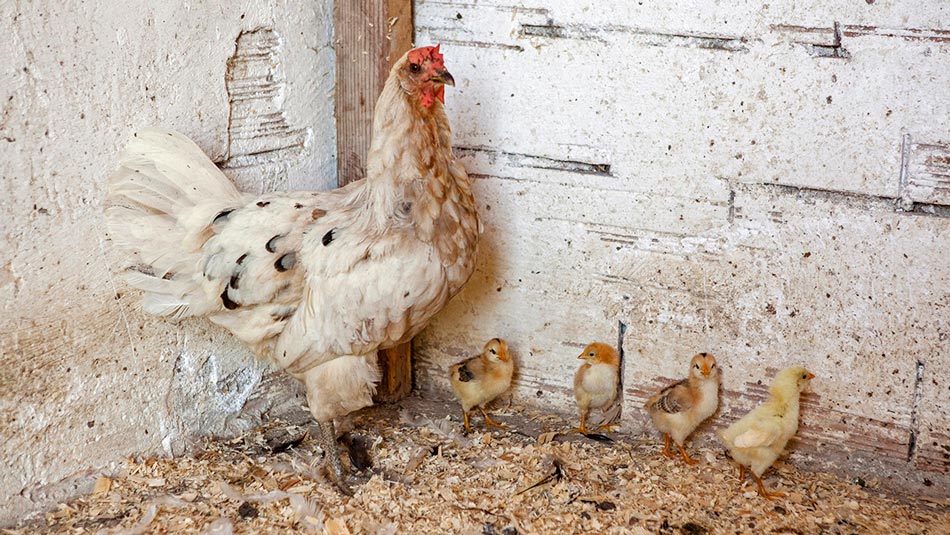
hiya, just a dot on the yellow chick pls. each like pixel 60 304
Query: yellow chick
pixel 481 379
pixel 595 384
pixel 758 438
pixel 679 408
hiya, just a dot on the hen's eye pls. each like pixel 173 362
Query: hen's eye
pixel 414 67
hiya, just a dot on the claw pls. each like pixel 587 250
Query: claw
pixel 764 493
pixel 609 427
pixel 583 427
pixel 489 423
pixel 686 457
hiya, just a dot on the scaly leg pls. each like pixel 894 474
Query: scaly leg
pixel 583 428
pixel 686 456
pixel 741 475
pixel 334 465
pixel 666 446
pixel 489 423
pixel 764 493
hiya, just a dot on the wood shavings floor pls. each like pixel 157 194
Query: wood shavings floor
pixel 429 478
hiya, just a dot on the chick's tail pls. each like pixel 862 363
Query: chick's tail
pixel 160 209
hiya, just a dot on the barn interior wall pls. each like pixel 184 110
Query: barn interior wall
pixel 768 183
pixel 86 378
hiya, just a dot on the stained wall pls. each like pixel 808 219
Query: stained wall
pixel 766 182
pixel 86 379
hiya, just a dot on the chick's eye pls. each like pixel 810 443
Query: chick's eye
pixel 714 365
pixel 696 366
pixel 590 354
pixel 414 67
pixel 804 376
pixel 492 351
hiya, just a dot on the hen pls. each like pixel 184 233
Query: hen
pixel 315 282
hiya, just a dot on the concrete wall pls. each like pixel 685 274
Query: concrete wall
pixel 766 182
pixel 85 378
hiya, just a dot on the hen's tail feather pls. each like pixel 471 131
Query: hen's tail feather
pixel 159 209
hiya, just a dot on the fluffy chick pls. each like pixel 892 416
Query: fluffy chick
pixel 758 438
pixel 595 384
pixel 679 408
pixel 481 379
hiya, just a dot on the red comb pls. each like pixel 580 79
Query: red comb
pixel 431 53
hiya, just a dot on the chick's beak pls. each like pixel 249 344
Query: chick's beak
pixel 811 376
pixel 443 76
pixel 706 370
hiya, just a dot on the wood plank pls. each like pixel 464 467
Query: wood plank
pixel 370 36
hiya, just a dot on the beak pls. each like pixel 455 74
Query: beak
pixel 580 357
pixel 706 371
pixel 811 376
pixel 443 76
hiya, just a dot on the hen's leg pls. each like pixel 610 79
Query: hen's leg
pixel 332 456
pixel 489 423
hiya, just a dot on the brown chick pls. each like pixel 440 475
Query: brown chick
pixel 481 379
pixel 679 408
pixel 758 438
pixel 595 384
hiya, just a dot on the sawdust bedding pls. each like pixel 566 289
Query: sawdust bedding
pixel 427 477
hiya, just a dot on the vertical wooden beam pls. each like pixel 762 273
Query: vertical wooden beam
pixel 370 36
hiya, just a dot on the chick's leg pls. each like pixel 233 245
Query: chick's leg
pixel 468 426
pixel 666 446
pixel 686 457
pixel 764 493
pixel 583 428
pixel 489 423
pixel 741 475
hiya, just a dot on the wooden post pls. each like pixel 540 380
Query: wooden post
pixel 370 36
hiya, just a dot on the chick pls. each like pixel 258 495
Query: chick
pixel 758 438
pixel 595 384
pixel 481 379
pixel 679 408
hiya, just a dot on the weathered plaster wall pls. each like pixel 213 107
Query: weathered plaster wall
pixel 769 182
pixel 85 378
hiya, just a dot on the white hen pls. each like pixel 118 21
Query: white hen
pixel 315 282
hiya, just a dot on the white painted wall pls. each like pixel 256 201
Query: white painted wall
pixel 773 171
pixel 720 176
pixel 85 378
